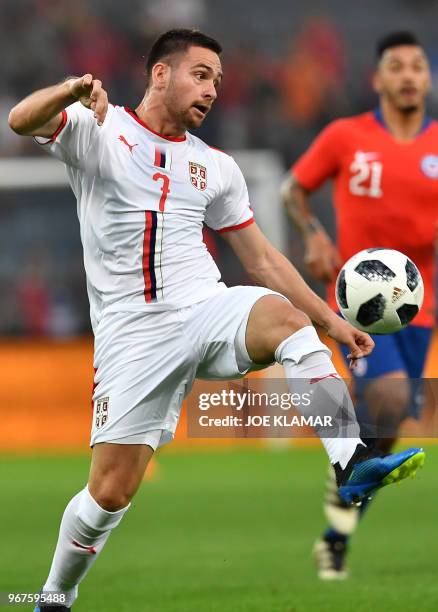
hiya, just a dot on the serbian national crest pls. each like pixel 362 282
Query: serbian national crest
pixel 198 175
pixel 101 411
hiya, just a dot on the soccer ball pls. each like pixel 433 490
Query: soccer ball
pixel 379 290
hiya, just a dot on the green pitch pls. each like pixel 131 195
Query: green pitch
pixel 227 531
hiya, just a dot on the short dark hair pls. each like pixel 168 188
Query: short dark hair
pixel 396 39
pixel 176 41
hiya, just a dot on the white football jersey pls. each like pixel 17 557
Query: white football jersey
pixel 142 199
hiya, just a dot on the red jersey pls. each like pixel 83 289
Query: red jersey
pixel 385 192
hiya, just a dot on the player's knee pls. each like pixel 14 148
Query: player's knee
pixel 390 396
pixel 388 404
pixel 295 319
pixel 399 399
pixel 272 320
pixel 286 317
pixel 112 502
pixel 111 498
pixel 287 321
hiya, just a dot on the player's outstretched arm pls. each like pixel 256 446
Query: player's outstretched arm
pixel 321 256
pixel 269 268
pixel 40 113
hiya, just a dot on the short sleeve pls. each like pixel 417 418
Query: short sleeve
pixel 231 209
pixel 72 139
pixel 321 161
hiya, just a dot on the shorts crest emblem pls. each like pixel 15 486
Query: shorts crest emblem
pixel 101 411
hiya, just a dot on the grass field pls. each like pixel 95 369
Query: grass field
pixel 227 531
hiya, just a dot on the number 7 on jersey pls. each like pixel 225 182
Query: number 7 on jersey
pixel 164 189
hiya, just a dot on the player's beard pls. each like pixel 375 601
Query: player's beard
pixel 189 121
pixel 406 108
pixel 182 116
pixel 187 118
pixel 409 110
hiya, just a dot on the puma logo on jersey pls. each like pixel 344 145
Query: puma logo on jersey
pixel 125 142
pixel 90 549
pixel 318 379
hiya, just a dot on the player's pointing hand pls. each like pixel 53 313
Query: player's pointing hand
pixel 91 94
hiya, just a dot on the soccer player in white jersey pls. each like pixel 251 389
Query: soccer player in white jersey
pixel 160 315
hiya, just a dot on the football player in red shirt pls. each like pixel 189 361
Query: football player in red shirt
pixel 384 167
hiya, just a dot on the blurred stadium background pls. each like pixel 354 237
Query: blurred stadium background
pixel 241 522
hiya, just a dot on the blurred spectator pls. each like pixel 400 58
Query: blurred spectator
pixel 314 72
pixel 91 45
pixel 33 298
pixel 160 15
pixel 249 100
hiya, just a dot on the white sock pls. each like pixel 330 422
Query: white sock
pixel 309 369
pixel 85 527
pixel 343 519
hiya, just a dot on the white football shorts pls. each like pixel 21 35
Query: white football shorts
pixel 146 363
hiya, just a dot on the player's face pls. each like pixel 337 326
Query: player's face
pixel 193 84
pixel 403 77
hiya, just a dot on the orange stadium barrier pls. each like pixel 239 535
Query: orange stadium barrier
pixel 45 395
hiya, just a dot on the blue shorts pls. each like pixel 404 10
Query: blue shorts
pixel 405 350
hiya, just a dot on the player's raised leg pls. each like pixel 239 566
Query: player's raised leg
pixel 277 329
pixel 116 473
